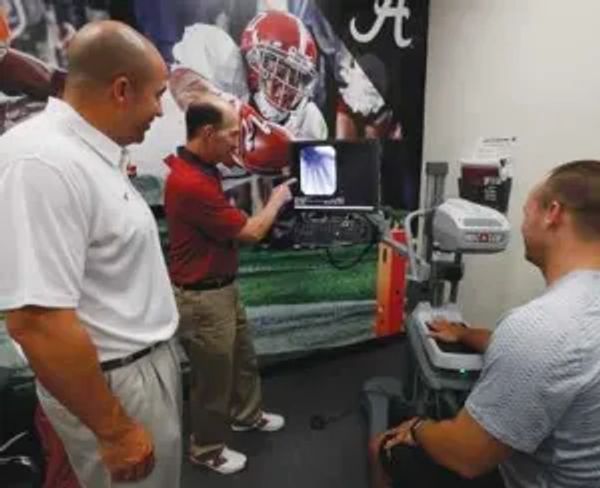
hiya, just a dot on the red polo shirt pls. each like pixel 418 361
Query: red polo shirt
pixel 202 223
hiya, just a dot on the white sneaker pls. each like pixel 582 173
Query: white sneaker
pixel 225 462
pixel 268 422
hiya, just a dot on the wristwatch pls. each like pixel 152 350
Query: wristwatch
pixel 414 427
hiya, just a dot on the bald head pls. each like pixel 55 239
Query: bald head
pixel 102 51
pixel 115 81
pixel 213 129
pixel 209 109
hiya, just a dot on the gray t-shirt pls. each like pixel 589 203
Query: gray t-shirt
pixel 539 391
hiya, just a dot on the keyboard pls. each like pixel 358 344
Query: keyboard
pixel 454 348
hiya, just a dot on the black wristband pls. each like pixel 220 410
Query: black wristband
pixel 414 427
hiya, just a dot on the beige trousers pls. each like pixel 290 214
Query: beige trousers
pixel 225 382
pixel 150 391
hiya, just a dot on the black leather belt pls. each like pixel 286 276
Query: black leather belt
pixel 208 284
pixel 120 362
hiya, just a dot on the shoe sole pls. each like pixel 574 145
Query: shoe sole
pixel 257 429
pixel 213 469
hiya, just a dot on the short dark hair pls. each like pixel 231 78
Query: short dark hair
pixel 201 114
pixel 576 186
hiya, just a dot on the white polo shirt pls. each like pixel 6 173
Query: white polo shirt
pixel 76 234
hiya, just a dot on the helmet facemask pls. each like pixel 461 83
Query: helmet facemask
pixel 285 80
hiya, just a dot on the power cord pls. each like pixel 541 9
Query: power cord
pixel 373 237
pixel 320 421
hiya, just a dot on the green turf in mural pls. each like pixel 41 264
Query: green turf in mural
pixel 270 277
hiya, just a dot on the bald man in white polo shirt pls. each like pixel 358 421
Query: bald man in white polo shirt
pixel 83 277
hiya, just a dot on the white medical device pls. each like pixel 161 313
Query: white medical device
pixel 460 227
pixel 463 226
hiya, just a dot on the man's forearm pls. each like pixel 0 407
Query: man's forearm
pixel 258 225
pixel 461 445
pixel 440 442
pixel 477 339
pixel 64 359
pixel 447 447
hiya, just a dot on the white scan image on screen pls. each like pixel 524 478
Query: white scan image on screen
pixel 318 171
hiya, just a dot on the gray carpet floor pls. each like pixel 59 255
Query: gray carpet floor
pixel 299 457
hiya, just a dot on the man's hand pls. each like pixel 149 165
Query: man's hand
pixel 258 225
pixel 281 193
pixel 446 331
pixel 129 456
pixel 400 435
pixel 462 445
pixel 65 361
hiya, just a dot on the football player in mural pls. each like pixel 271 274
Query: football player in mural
pixel 270 76
pixel 281 57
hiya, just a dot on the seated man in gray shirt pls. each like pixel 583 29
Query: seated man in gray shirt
pixel 535 411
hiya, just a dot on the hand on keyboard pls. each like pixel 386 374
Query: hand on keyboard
pixel 445 331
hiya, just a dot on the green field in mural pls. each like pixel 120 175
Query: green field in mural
pixel 270 277
pixel 305 276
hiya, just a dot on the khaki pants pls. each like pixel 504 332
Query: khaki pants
pixel 225 383
pixel 150 391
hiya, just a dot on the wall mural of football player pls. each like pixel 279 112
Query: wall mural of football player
pixel 292 78
pixel 360 107
pixel 270 74
pixel 270 77
pixel 288 66
pixel 274 69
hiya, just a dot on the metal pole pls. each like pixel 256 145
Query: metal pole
pixel 436 173
pixel 454 285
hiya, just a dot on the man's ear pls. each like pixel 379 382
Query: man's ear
pixel 121 88
pixel 554 214
pixel 208 130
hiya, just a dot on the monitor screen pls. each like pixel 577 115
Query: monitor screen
pixel 336 175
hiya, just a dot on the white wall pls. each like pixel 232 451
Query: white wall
pixel 529 68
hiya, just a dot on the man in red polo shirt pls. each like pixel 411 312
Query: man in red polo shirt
pixel 204 232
